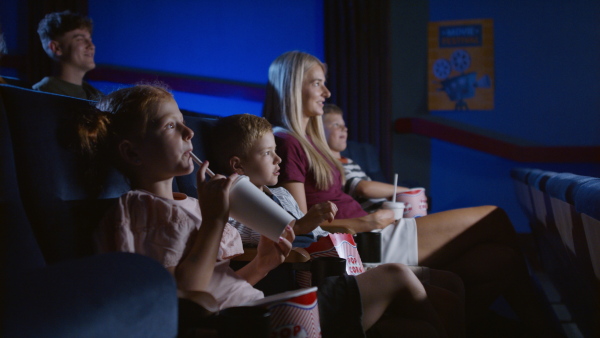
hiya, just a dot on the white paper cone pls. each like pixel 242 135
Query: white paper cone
pixel 256 210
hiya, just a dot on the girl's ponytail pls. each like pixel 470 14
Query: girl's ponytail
pixel 93 131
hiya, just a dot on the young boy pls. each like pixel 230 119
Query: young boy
pixel 370 194
pixel 249 149
pixel 67 39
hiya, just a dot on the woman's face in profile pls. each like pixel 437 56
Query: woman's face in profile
pixel 314 91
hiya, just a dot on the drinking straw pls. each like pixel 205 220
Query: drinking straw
pixel 395 187
pixel 198 162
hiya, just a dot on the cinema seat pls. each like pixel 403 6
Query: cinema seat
pixel 110 295
pixel 566 227
pixel 52 174
pixel 57 285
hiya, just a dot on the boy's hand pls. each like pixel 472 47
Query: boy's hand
pixel 213 194
pixel 315 216
pixel 272 254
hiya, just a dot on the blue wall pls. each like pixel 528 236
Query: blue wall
pixel 547 56
pixel 546 70
pixel 547 91
pixel 9 13
pixel 224 40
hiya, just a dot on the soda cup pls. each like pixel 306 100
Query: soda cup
pixel 252 207
pixel 397 207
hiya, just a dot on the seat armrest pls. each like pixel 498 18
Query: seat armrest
pixel 297 255
pixel 338 229
pixel 206 303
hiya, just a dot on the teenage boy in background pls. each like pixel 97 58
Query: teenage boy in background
pixel 67 39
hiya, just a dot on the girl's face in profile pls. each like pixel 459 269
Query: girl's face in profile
pixel 165 149
pixel 314 92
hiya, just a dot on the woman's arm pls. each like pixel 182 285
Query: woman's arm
pixel 377 220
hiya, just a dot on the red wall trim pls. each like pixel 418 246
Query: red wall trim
pixel 498 147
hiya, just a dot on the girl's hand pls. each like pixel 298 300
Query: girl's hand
pixel 271 254
pixel 318 214
pixel 213 194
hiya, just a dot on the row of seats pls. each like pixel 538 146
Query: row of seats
pixel 48 219
pixel 49 215
pixel 52 285
pixel 564 213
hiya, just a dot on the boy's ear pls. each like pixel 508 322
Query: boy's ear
pixel 235 163
pixel 55 47
pixel 128 153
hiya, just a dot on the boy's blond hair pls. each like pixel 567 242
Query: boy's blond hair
pixel 234 135
pixel 330 108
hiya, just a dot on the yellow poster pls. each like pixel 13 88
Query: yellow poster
pixel 461 65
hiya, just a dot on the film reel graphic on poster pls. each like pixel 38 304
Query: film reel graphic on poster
pixel 460 62
pixel 462 86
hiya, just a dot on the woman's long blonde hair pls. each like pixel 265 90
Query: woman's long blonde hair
pixel 283 108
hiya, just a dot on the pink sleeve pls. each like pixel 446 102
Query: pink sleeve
pixel 231 243
pixel 146 225
pixel 294 162
pixel 114 234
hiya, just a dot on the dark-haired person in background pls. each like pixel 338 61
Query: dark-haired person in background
pixel 67 39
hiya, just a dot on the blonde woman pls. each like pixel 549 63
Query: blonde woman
pixel 479 244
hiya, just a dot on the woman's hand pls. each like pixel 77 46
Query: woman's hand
pixel 213 194
pixel 379 219
pixel 317 214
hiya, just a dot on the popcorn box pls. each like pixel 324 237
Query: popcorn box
pixel 333 245
pixel 415 202
pixel 294 314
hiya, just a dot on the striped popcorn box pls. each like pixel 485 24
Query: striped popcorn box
pixel 294 314
pixel 415 202
pixel 333 245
